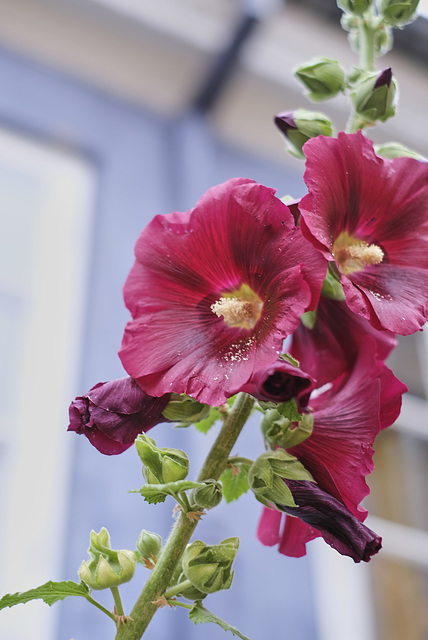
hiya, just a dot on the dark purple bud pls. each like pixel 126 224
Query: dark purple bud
pixel 384 78
pixel 337 525
pixel 112 414
pixel 280 383
pixel 285 121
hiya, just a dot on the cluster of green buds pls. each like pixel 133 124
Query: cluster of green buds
pixel 161 466
pixel 106 568
pixel 373 94
pixel 267 474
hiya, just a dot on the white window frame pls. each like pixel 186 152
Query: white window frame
pixel 34 439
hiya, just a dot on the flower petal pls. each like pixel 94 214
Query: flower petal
pixel 381 202
pixel 238 234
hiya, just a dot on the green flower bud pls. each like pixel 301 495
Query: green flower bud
pixel 149 544
pixel 185 410
pixel 106 568
pixel 398 13
pixel 397 150
pixel 191 593
pixel 281 431
pixel 209 568
pixel 266 477
pixel 161 465
pixel 373 96
pixel 300 125
pixel 355 7
pixel 209 496
pixel 322 77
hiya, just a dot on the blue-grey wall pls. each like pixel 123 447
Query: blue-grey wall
pixel 147 165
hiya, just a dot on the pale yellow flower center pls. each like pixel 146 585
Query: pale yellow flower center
pixel 239 308
pixel 352 254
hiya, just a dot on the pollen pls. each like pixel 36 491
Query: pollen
pixel 352 254
pixel 240 308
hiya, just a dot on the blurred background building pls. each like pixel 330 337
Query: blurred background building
pixel 112 111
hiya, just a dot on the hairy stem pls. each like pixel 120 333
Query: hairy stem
pixel 158 581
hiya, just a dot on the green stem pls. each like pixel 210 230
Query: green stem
pixel 161 576
pixel 117 601
pixel 100 607
pixel 367 34
pixel 177 589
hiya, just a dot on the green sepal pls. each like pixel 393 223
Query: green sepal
pixel 148 544
pixel 154 493
pixel 185 410
pixel 205 425
pixel 323 78
pixel 287 358
pixel 50 592
pixel 308 319
pixel 280 431
pixel 235 480
pixel 161 465
pixel 209 495
pixel 209 567
pixel 198 614
pixel 397 150
pixel 267 474
pixel 332 287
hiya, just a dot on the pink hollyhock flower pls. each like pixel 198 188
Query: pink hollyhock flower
pixel 332 345
pixel 112 414
pixel 338 453
pixel 214 291
pixel 280 382
pixel 370 216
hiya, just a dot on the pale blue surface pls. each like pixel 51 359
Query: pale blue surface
pixel 146 166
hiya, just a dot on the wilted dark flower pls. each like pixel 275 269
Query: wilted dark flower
pixel 112 414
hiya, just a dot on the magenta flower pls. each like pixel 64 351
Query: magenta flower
pixel 332 345
pixel 112 414
pixel 338 453
pixel 370 216
pixel 214 291
pixel 280 382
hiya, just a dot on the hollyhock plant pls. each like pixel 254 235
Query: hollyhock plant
pixel 329 346
pixel 214 291
pixel 347 415
pixel 369 215
pixel 112 414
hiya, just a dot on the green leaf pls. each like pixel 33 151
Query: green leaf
pixel 154 493
pixel 289 410
pixel 198 614
pixel 205 425
pixel 49 592
pixel 235 481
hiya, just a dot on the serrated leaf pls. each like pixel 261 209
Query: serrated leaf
pixel 199 614
pixel 154 493
pixel 235 481
pixel 50 592
pixel 205 425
